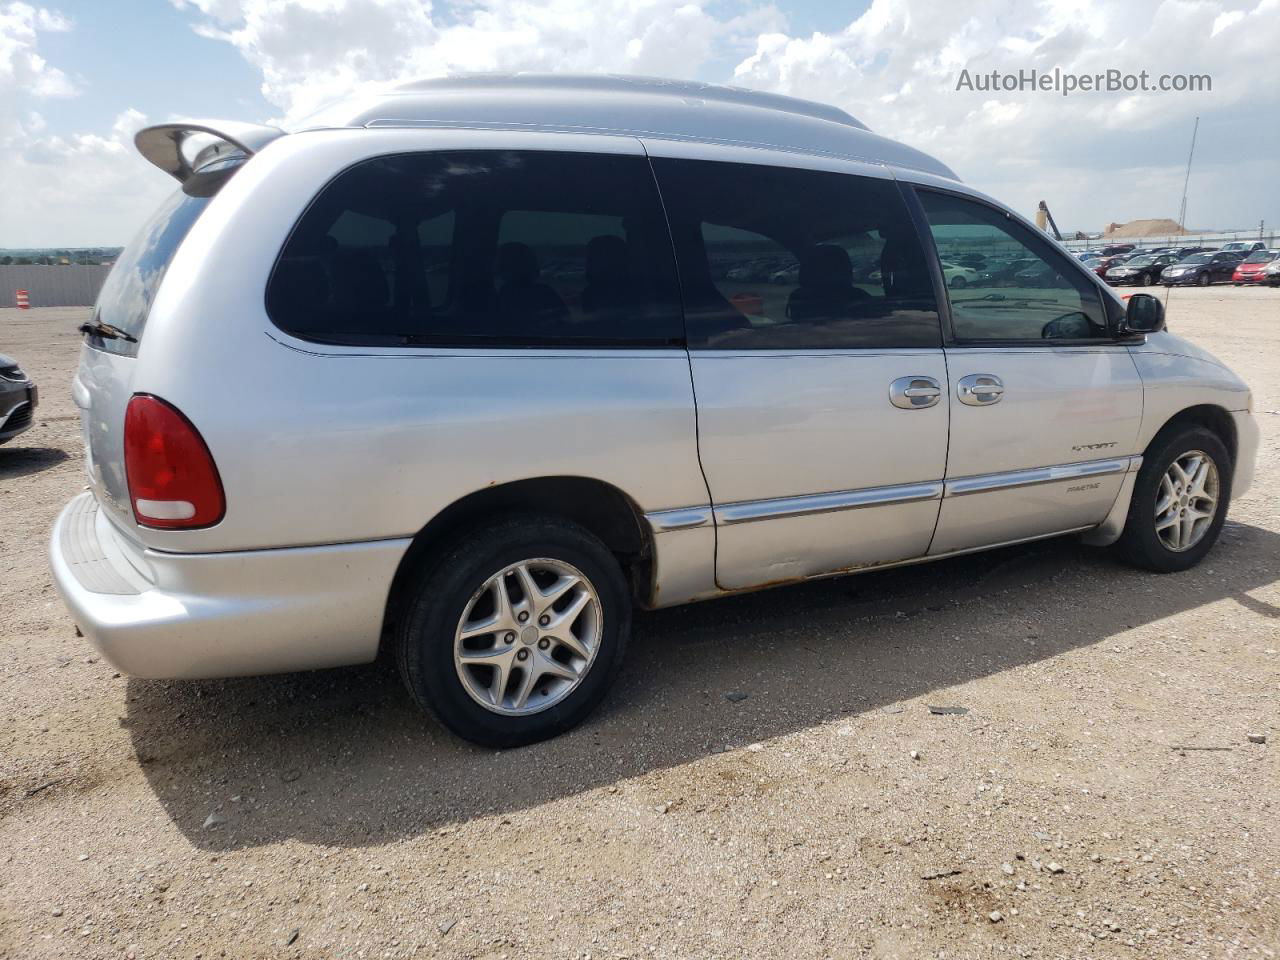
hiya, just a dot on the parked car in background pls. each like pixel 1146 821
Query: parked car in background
pixel 1271 275
pixel 1242 246
pixel 1252 269
pixel 959 276
pixel 1115 248
pixel 18 399
pixel 305 449
pixel 1037 274
pixel 1084 255
pixel 1201 269
pixel 997 271
pixel 1101 265
pixel 1142 270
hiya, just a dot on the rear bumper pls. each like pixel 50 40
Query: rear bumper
pixel 186 616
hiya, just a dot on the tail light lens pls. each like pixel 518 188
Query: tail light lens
pixel 173 481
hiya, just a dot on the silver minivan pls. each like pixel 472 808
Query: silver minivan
pixel 466 370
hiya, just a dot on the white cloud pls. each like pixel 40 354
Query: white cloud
pixel 896 69
pixel 60 190
pixel 312 51
pixel 85 189
pixel 1094 157
pixel 22 69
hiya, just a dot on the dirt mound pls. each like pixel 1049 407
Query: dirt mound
pixel 1144 228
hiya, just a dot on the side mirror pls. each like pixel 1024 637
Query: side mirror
pixel 1144 314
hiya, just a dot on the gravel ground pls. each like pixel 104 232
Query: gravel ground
pixel 829 813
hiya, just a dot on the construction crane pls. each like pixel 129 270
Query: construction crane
pixel 1042 216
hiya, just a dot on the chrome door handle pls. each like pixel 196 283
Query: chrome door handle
pixel 914 393
pixel 980 389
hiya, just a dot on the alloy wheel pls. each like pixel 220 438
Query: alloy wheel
pixel 528 636
pixel 1187 500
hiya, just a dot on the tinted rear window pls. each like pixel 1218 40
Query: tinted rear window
pixel 482 247
pixel 131 286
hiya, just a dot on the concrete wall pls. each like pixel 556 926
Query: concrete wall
pixel 74 285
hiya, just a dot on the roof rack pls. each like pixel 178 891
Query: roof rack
pixel 626 106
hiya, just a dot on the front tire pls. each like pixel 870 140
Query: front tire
pixel 1203 280
pixel 958 282
pixel 1180 501
pixel 516 632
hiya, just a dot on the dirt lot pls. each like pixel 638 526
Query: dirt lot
pixel 318 815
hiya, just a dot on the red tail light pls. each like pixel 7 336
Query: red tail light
pixel 173 481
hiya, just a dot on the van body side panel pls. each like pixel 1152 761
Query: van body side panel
pixel 818 427
pixel 807 304
pixel 101 390
pixel 321 443
pixel 1176 375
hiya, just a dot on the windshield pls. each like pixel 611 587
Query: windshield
pixel 1199 258
pixel 126 296
pixel 1093 262
pixel 1261 256
pixel 1142 261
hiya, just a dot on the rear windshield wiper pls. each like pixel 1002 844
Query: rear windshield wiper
pixel 106 331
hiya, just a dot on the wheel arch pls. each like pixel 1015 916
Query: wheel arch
pixel 1216 419
pixel 600 507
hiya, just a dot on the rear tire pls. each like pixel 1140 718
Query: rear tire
pixel 582 602
pixel 1167 496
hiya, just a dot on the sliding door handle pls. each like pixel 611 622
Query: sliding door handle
pixel 914 393
pixel 980 389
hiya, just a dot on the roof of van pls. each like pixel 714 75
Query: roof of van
pixel 626 105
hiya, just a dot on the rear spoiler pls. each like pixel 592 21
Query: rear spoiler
pixel 162 144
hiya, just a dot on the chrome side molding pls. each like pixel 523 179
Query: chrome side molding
pixel 963 486
pixel 748 511
pixel 751 510
pixel 681 518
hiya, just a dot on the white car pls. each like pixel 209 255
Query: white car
pixel 455 372
pixel 1242 246
pixel 958 276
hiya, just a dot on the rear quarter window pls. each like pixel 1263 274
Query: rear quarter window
pixel 518 248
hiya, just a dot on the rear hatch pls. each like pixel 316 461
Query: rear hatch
pixel 202 161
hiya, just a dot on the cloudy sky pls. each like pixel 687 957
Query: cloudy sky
pixel 79 77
